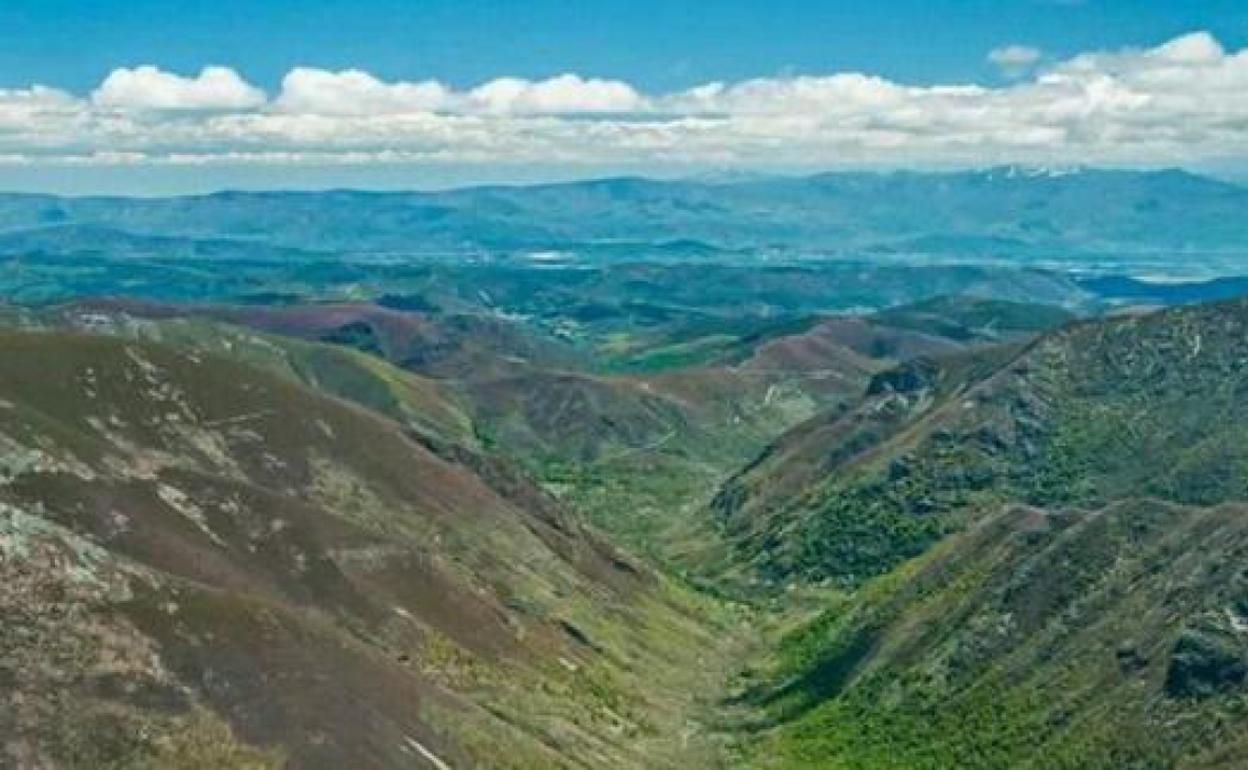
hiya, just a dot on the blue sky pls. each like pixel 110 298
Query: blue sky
pixel 656 44
pixel 106 95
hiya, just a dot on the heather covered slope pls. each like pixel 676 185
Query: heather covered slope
pixel 1036 553
pixel 421 404
pixel 206 564
pixel 632 449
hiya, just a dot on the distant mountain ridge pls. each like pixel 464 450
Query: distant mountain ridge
pixel 1005 212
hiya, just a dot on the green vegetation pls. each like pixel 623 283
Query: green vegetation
pixel 663 513
pixel 1085 611
pixel 992 653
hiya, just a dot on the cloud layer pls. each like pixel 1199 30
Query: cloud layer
pixel 1183 101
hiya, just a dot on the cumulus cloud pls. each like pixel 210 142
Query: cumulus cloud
pixel 562 95
pixel 1185 100
pixel 354 92
pixel 149 88
pixel 1015 59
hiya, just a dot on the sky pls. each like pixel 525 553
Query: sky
pixel 154 97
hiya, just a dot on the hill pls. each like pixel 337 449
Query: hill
pixel 207 565
pixel 1031 545
pixel 1054 423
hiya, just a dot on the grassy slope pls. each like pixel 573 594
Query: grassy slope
pixel 419 403
pixel 240 536
pixel 1041 639
pixel 1085 612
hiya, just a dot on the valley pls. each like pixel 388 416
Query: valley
pixel 276 491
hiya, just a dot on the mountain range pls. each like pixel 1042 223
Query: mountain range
pixel 1088 214
pixel 613 474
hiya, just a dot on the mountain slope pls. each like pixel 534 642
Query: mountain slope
pixel 194 550
pixel 1063 421
pixel 1043 638
pixel 1037 554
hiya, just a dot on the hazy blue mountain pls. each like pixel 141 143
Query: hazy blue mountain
pixel 999 213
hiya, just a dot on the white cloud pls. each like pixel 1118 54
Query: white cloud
pixel 354 92
pixel 22 109
pixel 1015 59
pixel 358 93
pixel 1183 101
pixel 562 95
pixel 802 95
pixel 149 88
pixel 1197 48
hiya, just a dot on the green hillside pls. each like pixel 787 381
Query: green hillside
pixel 1036 555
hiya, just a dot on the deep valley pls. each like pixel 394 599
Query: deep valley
pixel 628 474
